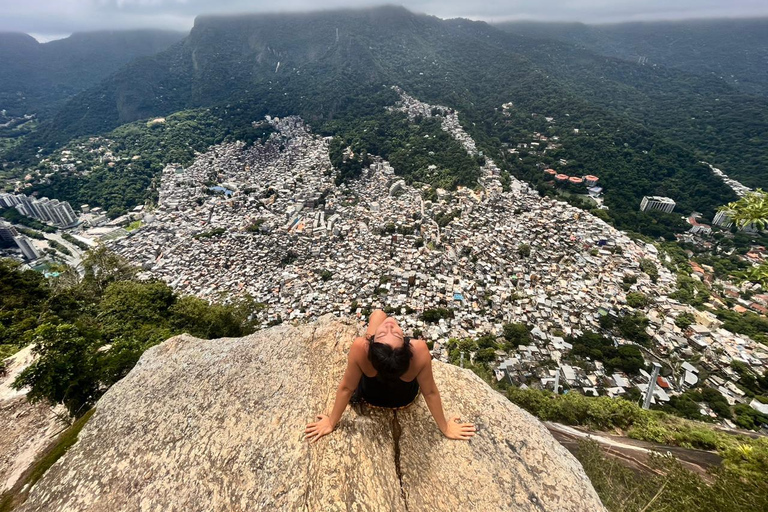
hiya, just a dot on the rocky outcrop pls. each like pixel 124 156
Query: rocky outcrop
pixel 25 429
pixel 218 426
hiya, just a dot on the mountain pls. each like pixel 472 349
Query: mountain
pixel 217 426
pixel 702 84
pixel 642 130
pixel 732 50
pixel 37 78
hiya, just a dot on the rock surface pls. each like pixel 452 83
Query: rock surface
pixel 25 429
pixel 218 426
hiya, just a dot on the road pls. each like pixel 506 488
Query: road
pixel 632 452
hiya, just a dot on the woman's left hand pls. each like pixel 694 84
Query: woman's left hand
pixel 456 430
pixel 319 428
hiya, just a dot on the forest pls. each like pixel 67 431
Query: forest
pixel 88 332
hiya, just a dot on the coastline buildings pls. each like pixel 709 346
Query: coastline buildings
pixel 43 209
pixel 664 204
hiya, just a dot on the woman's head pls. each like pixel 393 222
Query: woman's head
pixel 389 350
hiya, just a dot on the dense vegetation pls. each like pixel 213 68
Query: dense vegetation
pixel 668 485
pixel 411 148
pixel 719 122
pixel 702 47
pixel 89 332
pixel 38 78
pixel 626 358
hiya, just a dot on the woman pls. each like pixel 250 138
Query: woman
pixel 386 369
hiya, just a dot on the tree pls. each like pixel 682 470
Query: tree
pixel 64 370
pixel 524 250
pixel 637 300
pixel 751 211
pixel 516 334
pixel 102 267
pixel 684 320
pixel 650 268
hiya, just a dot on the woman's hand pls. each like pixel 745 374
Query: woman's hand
pixel 319 428
pixel 456 430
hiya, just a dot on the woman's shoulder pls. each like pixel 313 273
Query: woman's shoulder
pixel 359 347
pixel 420 349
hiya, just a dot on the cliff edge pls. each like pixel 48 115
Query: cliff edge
pixel 218 426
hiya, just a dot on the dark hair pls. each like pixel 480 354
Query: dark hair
pixel 390 363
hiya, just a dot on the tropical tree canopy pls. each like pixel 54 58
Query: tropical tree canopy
pixel 751 211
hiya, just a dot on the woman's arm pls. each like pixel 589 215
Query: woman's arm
pixel 325 424
pixel 451 428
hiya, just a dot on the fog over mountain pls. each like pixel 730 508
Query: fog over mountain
pixel 51 18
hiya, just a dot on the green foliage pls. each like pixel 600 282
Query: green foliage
pixel 602 413
pixel 524 250
pixel 633 327
pixel 690 291
pixel 64 370
pixel 638 300
pixel 13 216
pixel 211 233
pixel 668 485
pixel 749 211
pixel 31 233
pixel 88 333
pixel 650 268
pixel 684 320
pixel 474 69
pixel 516 334
pixel 627 358
pixel 130 181
pixel 714 101
pixel 59 247
pixel 22 303
pixel 753 325
pixel 38 78
pixel 434 315
pixel 74 241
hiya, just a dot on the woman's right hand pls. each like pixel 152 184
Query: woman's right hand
pixel 456 430
pixel 319 428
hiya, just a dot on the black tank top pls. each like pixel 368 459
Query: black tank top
pixel 396 393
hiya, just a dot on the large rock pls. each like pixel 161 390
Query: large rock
pixel 218 426
pixel 26 430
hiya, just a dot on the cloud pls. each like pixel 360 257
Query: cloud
pixel 66 16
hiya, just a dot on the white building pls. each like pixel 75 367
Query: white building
pixel 721 219
pixel 664 204
pixel 27 249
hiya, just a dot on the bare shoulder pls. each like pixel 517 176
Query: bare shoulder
pixel 359 347
pixel 421 351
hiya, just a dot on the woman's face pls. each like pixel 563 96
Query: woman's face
pixel 389 332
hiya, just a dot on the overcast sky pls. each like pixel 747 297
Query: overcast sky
pixel 50 18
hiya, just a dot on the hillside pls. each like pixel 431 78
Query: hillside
pixel 221 425
pixel 335 69
pixel 674 95
pixel 703 47
pixel 38 78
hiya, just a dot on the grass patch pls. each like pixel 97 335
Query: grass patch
pixel 15 496
pixel 133 226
